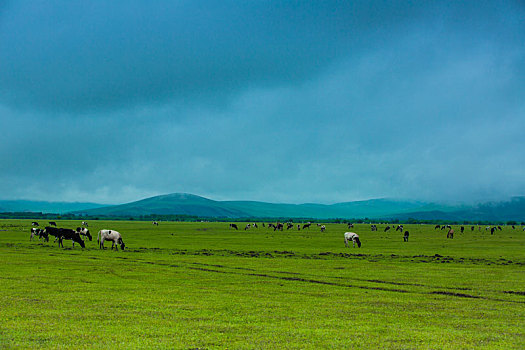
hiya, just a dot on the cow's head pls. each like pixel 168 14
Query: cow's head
pixel 121 242
pixel 358 242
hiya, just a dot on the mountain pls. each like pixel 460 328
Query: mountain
pixel 188 204
pixel 44 207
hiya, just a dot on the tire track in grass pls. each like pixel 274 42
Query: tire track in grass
pixel 328 283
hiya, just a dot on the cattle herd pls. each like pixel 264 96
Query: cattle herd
pixel 76 236
pixel 81 233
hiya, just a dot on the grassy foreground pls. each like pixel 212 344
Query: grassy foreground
pixel 205 286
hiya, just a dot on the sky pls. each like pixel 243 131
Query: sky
pixel 276 101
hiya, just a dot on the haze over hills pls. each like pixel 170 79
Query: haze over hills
pixel 188 204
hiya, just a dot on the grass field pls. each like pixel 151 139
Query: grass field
pixel 205 286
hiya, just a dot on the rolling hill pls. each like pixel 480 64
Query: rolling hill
pixel 188 204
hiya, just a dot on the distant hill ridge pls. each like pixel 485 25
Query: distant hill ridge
pixel 193 205
pixel 189 204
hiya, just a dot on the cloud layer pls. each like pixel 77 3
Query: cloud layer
pixel 295 102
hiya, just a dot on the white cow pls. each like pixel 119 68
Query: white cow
pixel 354 237
pixel 110 235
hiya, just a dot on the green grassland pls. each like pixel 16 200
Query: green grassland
pixel 205 286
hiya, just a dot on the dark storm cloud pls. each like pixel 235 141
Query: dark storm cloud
pixel 293 101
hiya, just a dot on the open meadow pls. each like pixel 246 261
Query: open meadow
pixel 207 286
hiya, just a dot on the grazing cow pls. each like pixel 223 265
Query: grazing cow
pixel 352 236
pixel 279 226
pixel 34 232
pixel 298 227
pixel 471 228
pixel 65 233
pixel 84 223
pixel 450 234
pixel 74 236
pixel 399 228
pixel 323 228
pixel 52 223
pixel 462 229
pixel 307 225
pixel 387 228
pixel 350 225
pixel 289 225
pixel 437 226
pixel 254 225
pixel 247 227
pixel 234 226
pixel 34 223
pixel 373 227
pixel 405 236
pixel 492 229
pixel 84 232
pixel 155 223
pixel 41 233
pixel 110 235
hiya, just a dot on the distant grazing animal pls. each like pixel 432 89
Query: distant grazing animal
pixel 65 233
pixel 405 236
pixel 352 236
pixel 387 228
pixel 298 227
pixel 471 228
pixel 84 232
pixel 34 223
pixel 462 229
pixel 52 223
pixel 323 228
pixel 437 226
pixel 289 225
pixel 373 227
pixel 155 223
pixel 307 225
pixel 35 232
pixel 247 227
pixel 110 235
pixel 399 228
pixel 84 223
pixel 450 233
pixel 41 233
pixel 234 226
pixel 254 225
pixel 278 227
pixel 74 236
pixel 492 229
pixel 350 225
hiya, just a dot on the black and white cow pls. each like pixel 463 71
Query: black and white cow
pixel 38 232
pixel 52 223
pixel 110 235
pixel 234 226
pixel 84 232
pixel 405 236
pixel 65 233
pixel 352 236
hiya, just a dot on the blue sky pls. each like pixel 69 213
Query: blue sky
pixel 273 101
